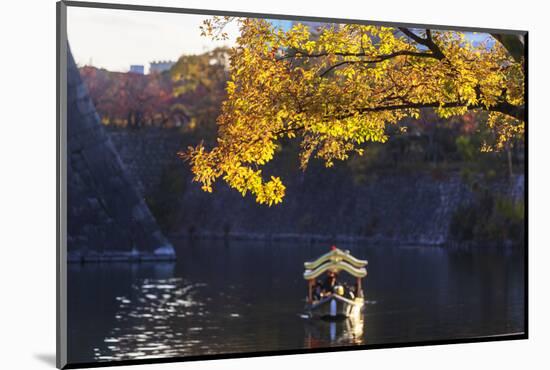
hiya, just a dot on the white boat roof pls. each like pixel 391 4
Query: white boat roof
pixel 335 255
pixel 335 260
pixel 335 267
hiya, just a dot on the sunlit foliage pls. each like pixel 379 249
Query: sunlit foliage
pixel 337 88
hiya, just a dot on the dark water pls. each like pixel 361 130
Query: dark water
pixel 246 296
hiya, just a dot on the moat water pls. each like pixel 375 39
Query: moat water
pixel 242 297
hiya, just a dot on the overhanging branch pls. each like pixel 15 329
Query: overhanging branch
pixel 380 58
pixel 427 42
pixel 515 111
pixel 374 58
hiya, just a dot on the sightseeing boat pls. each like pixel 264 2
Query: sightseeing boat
pixel 333 299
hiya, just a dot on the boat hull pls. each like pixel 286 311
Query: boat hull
pixel 335 307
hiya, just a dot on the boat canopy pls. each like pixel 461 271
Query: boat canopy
pixel 335 260
pixel 335 255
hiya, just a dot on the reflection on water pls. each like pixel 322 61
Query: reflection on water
pixel 246 297
pixel 146 323
pixel 322 333
pixel 149 324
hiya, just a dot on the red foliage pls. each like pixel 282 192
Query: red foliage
pixel 133 99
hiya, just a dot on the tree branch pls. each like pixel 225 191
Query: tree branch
pixel 376 58
pixel 514 44
pixel 427 42
pixel 515 111
pixel 380 58
pixel 412 35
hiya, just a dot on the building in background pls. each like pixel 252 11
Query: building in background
pixel 137 68
pixel 160 66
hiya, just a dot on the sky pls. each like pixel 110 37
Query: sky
pixel 116 39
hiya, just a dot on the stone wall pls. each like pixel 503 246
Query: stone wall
pixel 407 209
pixel 320 204
pixel 107 217
pixel 146 153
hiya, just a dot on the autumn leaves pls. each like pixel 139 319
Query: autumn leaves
pixel 336 88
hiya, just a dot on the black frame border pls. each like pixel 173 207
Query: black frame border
pixel 61 106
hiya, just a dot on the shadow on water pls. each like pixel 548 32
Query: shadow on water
pixel 249 297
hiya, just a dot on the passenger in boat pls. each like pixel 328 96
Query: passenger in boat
pixel 317 290
pixel 349 291
pixel 339 289
pixel 329 283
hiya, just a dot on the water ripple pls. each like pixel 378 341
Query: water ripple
pixel 149 321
